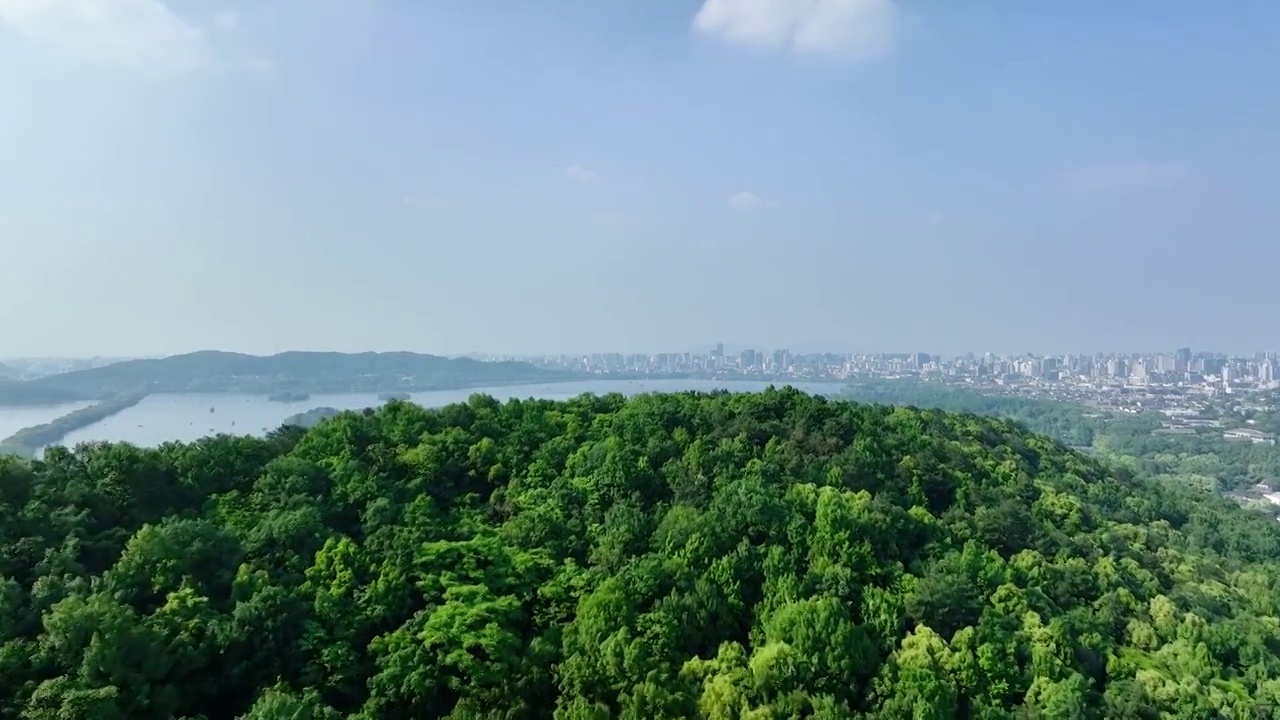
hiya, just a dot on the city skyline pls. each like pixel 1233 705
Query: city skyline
pixel 765 348
pixel 702 350
pixel 1179 358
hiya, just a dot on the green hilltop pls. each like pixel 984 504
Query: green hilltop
pixel 768 555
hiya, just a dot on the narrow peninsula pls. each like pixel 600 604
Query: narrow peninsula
pixel 28 441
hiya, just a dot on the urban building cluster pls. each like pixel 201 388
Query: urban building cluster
pixel 1182 367
pixel 1181 383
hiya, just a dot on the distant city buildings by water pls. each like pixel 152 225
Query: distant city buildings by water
pixel 1175 379
pixel 1181 366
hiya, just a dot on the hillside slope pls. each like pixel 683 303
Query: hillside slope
pixel 18 392
pixel 768 555
pixel 312 372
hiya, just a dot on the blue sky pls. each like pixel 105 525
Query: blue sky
pixel 482 175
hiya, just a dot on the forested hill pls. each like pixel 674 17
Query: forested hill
pixel 770 555
pixel 1066 421
pixel 1204 461
pixel 311 372
pixel 18 392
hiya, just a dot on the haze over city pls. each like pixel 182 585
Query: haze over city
pixel 567 176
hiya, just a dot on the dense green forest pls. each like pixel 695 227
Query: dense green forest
pixel 770 555
pixel 1067 422
pixel 1205 462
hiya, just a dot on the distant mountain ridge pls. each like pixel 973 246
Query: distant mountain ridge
pixel 304 372
pixel 17 392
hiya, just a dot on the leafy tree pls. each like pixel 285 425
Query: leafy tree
pixel 769 555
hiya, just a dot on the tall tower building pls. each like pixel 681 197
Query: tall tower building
pixel 1182 360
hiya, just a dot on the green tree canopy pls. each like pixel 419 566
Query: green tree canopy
pixel 767 555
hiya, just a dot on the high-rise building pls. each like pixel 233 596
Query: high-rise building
pixel 1182 360
pixel 1049 368
pixel 1138 371
pixel 1116 368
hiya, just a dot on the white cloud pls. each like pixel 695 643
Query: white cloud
pixel 228 20
pixel 577 173
pixel 744 201
pixel 140 34
pixel 853 29
pixel 1126 177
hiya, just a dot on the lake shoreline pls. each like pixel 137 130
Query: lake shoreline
pixel 187 417
pixel 28 441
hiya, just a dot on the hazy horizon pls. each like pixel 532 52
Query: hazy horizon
pixel 730 349
pixel 474 177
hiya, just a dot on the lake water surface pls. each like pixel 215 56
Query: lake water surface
pixel 187 417
pixel 13 419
